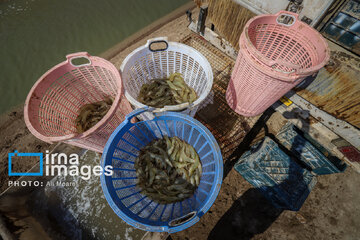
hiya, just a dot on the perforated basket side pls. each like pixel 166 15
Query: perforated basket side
pixel 121 191
pixel 54 101
pixel 142 65
pixel 284 50
pixel 250 91
pixel 273 58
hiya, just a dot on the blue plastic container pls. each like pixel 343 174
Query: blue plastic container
pixel 281 180
pixel 124 196
pixel 291 138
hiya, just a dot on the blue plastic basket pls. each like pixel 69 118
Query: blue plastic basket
pixel 282 181
pixel 294 140
pixel 124 196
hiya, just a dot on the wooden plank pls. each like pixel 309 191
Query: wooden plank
pixel 316 130
pixel 340 127
pixel 216 40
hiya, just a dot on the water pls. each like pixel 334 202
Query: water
pixel 35 35
pixel 81 211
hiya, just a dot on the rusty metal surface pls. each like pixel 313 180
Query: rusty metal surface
pixel 228 127
pixel 336 89
pixel 342 128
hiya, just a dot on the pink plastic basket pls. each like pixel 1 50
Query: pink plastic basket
pixel 53 103
pixel 273 58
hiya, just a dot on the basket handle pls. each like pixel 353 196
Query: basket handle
pixel 191 216
pixel 72 56
pixel 169 108
pixel 137 112
pixel 154 110
pixel 157 40
pixel 292 15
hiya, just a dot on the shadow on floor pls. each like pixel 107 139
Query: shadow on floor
pixel 252 213
pixel 249 215
pixel 246 142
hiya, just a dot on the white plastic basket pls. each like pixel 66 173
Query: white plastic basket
pixel 146 63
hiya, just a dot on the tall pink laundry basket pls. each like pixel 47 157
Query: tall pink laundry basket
pixel 53 103
pixel 274 57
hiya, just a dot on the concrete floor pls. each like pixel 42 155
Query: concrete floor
pixel 241 212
